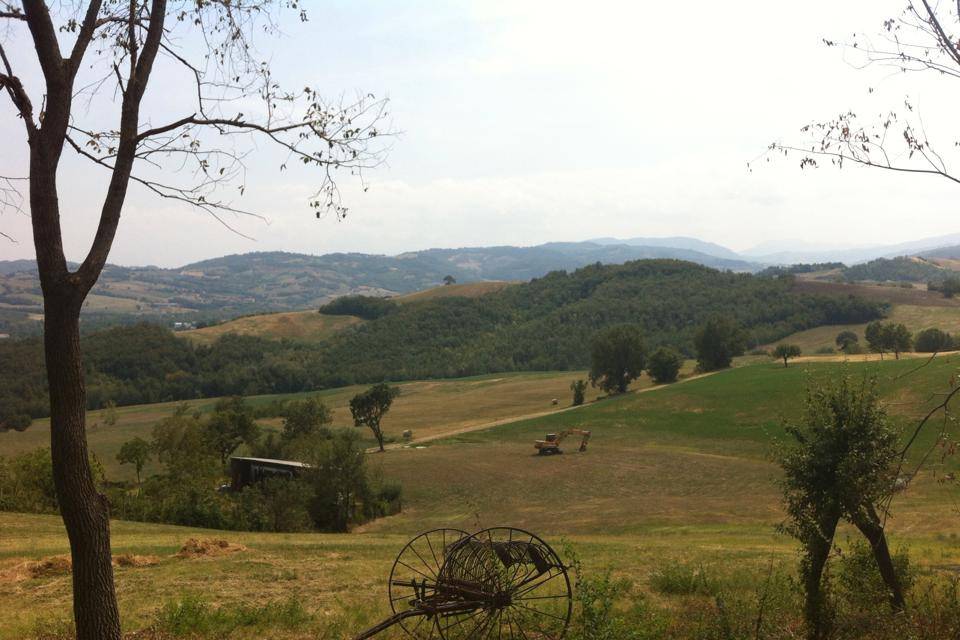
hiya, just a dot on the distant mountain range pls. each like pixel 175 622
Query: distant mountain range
pixel 235 285
pixel 786 253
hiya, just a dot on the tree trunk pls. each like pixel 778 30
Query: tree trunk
pixel 85 511
pixel 869 525
pixel 818 551
pixel 784 363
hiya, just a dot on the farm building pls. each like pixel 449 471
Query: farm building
pixel 247 471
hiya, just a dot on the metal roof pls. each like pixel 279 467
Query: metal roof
pixel 286 463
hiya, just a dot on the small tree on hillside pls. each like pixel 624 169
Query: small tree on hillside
pixel 876 340
pixel 304 425
pixel 785 352
pixel 897 338
pixel 846 340
pixel 136 452
pixel 230 425
pixel 933 340
pixel 717 342
pixel 841 466
pixel 950 287
pixel 449 280
pixel 369 407
pixel 579 388
pixel 664 365
pixel 618 357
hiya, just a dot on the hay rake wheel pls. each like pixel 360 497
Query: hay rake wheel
pixel 497 584
pixel 415 574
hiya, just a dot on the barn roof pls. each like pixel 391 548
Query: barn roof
pixel 285 463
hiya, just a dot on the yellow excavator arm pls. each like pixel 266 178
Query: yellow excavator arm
pixel 552 442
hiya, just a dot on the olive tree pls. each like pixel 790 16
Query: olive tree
pixel 785 352
pixel 95 61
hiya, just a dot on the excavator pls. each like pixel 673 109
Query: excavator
pixel 551 445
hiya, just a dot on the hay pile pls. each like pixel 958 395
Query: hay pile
pixel 44 568
pixel 54 566
pixel 196 548
pixel 133 560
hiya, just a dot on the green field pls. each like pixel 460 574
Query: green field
pixel 678 475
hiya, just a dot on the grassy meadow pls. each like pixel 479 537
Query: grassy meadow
pixel 674 478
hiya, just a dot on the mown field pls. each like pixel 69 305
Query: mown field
pixel 915 317
pixel 676 477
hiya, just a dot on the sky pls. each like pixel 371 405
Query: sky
pixel 529 121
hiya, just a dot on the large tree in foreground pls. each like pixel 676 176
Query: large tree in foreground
pixel 95 60
pixel 842 464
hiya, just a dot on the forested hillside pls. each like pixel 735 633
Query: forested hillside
pixel 541 325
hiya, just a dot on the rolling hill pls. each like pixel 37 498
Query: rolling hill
pixel 230 286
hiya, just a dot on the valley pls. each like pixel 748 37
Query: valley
pixel 677 477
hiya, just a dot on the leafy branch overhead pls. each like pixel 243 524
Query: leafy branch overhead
pixel 923 37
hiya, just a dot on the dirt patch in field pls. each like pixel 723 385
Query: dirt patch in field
pixel 196 548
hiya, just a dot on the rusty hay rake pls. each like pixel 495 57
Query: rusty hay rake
pixel 497 584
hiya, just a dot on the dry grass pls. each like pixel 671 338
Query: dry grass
pixel 308 326
pixel 917 295
pixel 464 290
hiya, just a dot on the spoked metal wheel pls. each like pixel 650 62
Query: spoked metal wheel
pixel 414 577
pixel 520 585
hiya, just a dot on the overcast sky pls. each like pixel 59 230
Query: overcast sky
pixel 525 122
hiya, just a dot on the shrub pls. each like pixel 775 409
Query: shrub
pixel 192 616
pixel 579 388
pixel 596 614
pixel 931 340
pixel 858 583
pixel 684 579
